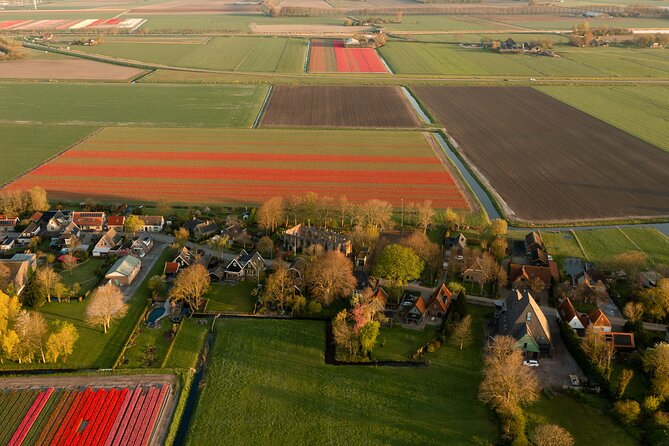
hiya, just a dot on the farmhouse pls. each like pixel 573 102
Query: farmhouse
pixel 579 322
pixel 6 243
pixel 522 319
pixel 8 224
pixel 55 221
pixel 245 265
pixel 89 221
pixel 124 271
pixel 301 237
pixel 430 311
pixel 108 243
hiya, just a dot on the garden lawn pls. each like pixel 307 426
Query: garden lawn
pixel 398 344
pixel 186 345
pixel 122 105
pixel 267 382
pixel 640 111
pixel 138 355
pixel 587 423
pixel 650 241
pixel 636 388
pixel 561 244
pixel 29 145
pixel 87 274
pixel 223 297
pixel 262 54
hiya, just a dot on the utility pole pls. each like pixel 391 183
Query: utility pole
pixel 402 226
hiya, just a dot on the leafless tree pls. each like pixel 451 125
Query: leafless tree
pixel 106 305
pixel 330 276
pixel 280 286
pixel 190 285
pixel 31 329
pixel 271 213
pixel 552 435
pixel 598 350
pixel 425 214
pixel 46 280
pixel 462 332
pixel 633 311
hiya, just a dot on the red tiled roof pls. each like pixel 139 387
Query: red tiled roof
pixel 171 267
pixel 115 220
pixel 420 304
pixel 530 271
pixel 598 318
pixel 36 216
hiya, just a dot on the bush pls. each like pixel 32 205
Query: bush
pixel 514 428
pixel 433 346
pixel 627 411
pixel 651 403
pixel 314 308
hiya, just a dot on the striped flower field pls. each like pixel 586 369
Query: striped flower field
pixel 227 167
pixel 331 56
pixel 63 416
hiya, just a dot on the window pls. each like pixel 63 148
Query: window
pixel 529 316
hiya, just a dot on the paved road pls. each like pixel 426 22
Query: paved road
pixel 147 265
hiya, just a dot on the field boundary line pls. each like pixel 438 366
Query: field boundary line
pixel 54 156
pixel 261 112
pixel 585 254
pixel 628 238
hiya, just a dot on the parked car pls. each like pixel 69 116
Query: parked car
pixel 531 363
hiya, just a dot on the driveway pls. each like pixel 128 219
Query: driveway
pixel 148 261
pixel 555 371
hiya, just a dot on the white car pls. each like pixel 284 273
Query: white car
pixel 531 363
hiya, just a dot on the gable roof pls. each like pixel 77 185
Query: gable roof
pixel 152 220
pixel 598 318
pixel 533 239
pixel 171 267
pixel 566 310
pixel 124 266
pixel 115 220
pixel 523 316
pixel 441 297
pixel 545 273
pixel 111 238
pixel 88 218
pixel 8 222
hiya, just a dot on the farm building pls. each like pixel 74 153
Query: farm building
pixel 124 271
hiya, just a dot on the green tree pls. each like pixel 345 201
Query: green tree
pixel 656 364
pixel 181 237
pixel 398 264
pixel 368 334
pixel 625 377
pixel 133 224
pixel 60 342
pixel 627 411
pixel 156 285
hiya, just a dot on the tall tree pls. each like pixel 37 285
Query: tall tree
pixel 342 333
pixel 266 247
pixel 376 214
pixel 631 262
pixel 507 384
pixel 451 219
pixel 31 329
pixel 498 227
pixel 425 214
pixel 344 207
pixel 133 224
pixel 656 300
pixel 398 264
pixel 625 377
pixel 280 286
pixel 181 237
pixel 60 342
pixel 462 332
pixel 69 262
pixel 105 305
pixel 430 252
pixel 498 248
pixel 190 285
pixel 38 199
pixel 271 213
pixel 598 350
pixel 656 364
pixel 156 285
pixel 633 311
pixel 46 280
pixel 368 334
pixel 329 276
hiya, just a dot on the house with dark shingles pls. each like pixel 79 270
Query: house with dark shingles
pixel 33 230
pixel 55 221
pixel 522 319
pixel 6 243
pixel 301 237
pixel 235 233
pixel 245 265
pixel 430 311
pixel 201 228
pixel 141 245
pixel 185 258
pixel 68 239
pixel 458 241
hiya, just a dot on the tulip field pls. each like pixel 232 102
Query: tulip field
pixel 331 56
pixel 82 416
pixel 234 167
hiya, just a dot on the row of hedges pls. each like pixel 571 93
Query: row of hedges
pixel 573 343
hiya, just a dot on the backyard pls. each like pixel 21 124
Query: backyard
pixel 268 374
pixel 398 344
pixel 226 297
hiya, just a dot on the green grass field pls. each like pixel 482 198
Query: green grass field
pixel 451 59
pixel 186 345
pixel 589 423
pixel 203 23
pixel 267 383
pixel 126 105
pixel 262 54
pixel 640 111
pixel 398 344
pixel 223 297
pixel 30 145
pixel 602 245
pixel 561 244
pixel 87 275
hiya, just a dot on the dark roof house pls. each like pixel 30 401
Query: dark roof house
pixel 522 319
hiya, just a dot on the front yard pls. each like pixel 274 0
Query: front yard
pixel 226 297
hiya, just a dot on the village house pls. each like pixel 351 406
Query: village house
pixel 124 271
pixel 201 228
pixel 579 322
pixel 8 224
pixel 69 239
pixel 116 222
pixel 245 265
pixel 6 243
pixel 236 233
pixel 20 267
pixel 379 300
pixel 55 221
pixel 32 230
pixel 430 311
pixel 141 245
pixel 109 243
pixel 89 221
pixel 185 258
pixel 171 270
pixel 522 319
pixel 300 237
pixel 152 223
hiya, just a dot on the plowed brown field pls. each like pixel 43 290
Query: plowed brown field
pixel 377 107
pixel 549 161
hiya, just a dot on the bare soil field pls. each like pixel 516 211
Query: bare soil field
pixel 375 107
pixel 66 69
pixel 548 161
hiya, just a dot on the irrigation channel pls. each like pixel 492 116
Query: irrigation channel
pixel 492 212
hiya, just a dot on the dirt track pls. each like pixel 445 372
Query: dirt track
pixel 549 161
pixel 376 107
pixel 66 69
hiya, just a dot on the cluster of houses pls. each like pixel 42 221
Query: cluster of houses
pixel 244 266
pixel 72 232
